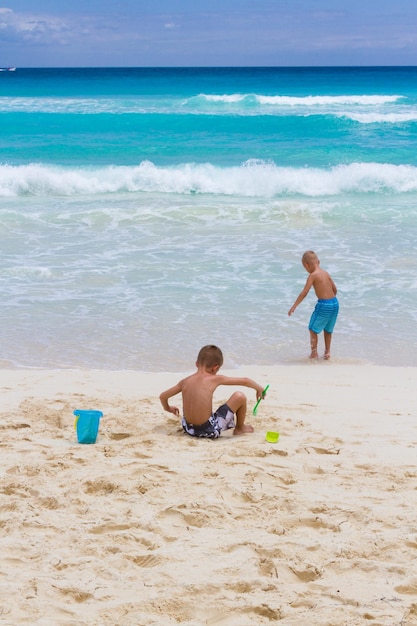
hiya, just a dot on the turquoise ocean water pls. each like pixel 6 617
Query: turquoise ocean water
pixel 146 212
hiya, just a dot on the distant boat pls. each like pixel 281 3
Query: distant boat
pixel 7 69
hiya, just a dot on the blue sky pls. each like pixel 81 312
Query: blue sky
pixel 50 33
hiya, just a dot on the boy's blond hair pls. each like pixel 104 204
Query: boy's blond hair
pixel 309 257
pixel 209 356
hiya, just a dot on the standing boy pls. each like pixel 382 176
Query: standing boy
pixel 197 397
pixel 325 313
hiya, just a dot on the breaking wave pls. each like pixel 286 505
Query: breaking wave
pixel 253 178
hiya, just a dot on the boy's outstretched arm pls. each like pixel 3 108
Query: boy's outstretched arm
pixel 241 382
pixel 165 395
pixel 302 294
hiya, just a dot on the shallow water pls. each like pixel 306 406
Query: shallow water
pixel 144 213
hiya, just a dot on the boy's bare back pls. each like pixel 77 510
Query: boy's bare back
pixel 323 284
pixel 197 395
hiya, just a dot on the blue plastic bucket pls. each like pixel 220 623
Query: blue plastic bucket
pixel 86 425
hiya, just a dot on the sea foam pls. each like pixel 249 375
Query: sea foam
pixel 254 178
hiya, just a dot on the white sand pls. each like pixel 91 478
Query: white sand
pixel 151 527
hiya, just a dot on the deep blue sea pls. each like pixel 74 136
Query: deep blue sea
pixel 147 212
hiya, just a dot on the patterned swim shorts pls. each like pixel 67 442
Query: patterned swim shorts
pixel 222 419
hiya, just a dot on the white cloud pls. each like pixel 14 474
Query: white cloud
pixel 30 26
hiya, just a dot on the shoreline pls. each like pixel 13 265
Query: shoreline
pixel 149 525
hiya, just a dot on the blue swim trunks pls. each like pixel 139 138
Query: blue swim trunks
pixel 324 316
pixel 222 419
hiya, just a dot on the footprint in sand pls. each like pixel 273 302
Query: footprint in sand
pixel 118 436
pixel 75 594
pixel 109 528
pixel 241 617
pixel 14 426
pixel 240 586
pixel 287 478
pixel 99 487
pixel 198 519
pixel 146 561
pixel 264 610
pixel 49 503
pixel 411 618
pixel 303 604
pixel 318 522
pixel 322 450
pixel 266 567
pixel 279 452
pixel 408 589
pixel 307 574
pixel 141 455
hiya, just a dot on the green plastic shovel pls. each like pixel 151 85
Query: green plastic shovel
pixel 255 408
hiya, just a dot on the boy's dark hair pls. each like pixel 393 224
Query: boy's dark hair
pixel 209 356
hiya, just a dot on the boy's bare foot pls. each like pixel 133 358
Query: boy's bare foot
pixel 326 355
pixel 246 428
pixel 313 355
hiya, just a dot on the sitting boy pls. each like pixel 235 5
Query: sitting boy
pixel 197 398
